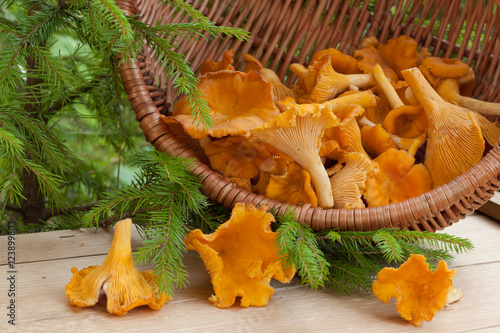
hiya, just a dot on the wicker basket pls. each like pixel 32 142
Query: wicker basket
pixel 278 28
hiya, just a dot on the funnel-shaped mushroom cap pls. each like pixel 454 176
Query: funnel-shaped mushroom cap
pixel 348 180
pixel 342 63
pixel 241 257
pixel 420 292
pixel 377 113
pixel 125 287
pixel 297 132
pixel 330 84
pixel 455 142
pixel 408 121
pixel 214 66
pixel 294 186
pixel 238 102
pixel 397 179
pixel 437 69
pixel 347 134
pixel 236 156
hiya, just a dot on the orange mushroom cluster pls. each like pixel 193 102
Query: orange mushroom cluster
pixel 391 120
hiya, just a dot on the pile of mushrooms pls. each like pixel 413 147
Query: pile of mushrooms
pixel 382 126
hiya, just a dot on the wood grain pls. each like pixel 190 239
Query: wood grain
pixel 42 305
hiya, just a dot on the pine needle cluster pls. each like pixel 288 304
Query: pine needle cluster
pixel 348 261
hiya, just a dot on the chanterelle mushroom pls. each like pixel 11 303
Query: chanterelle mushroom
pixel 377 140
pixel 394 56
pixel 455 141
pixel 420 292
pixel 330 83
pixel 125 287
pixel 397 178
pixel 238 102
pixel 297 132
pixel 348 179
pixel 213 66
pixel 407 121
pixel 449 89
pixel 241 257
pixel 342 63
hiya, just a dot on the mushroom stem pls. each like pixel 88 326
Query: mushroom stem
pixel 121 248
pixel 320 180
pixel 365 99
pixel 449 89
pixel 422 89
pixel 360 80
pixel 387 88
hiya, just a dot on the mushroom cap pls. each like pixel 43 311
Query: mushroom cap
pixel 397 179
pixel 125 287
pixel 454 139
pixel 236 156
pixel 293 187
pixel 419 291
pixel 342 63
pixel 376 140
pixel 407 121
pixel 445 67
pixel 226 63
pixel 251 63
pixel 329 83
pixel 377 113
pixel 437 69
pixel 393 56
pixel 369 57
pixel 241 257
pixel 347 134
pixel 238 102
pixel 297 132
pixel 348 180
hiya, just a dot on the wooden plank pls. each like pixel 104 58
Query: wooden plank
pixel 484 234
pixel 42 305
pixel 61 244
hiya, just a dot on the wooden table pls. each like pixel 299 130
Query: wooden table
pixel 43 269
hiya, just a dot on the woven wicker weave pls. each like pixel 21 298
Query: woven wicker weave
pixel 278 28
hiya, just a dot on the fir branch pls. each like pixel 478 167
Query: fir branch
pixel 353 258
pixel 161 200
pixel 113 14
pixel 298 246
pixel 388 245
